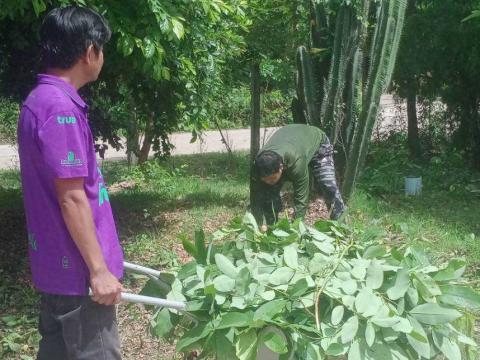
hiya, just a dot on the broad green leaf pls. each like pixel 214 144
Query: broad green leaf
pixel 178 28
pixel 337 349
pixel 349 287
pixel 467 340
pixel 419 343
pixel 250 221
pixel 162 324
pixel 126 45
pixel 453 271
pixel 268 295
pixel 385 322
pixel 449 348
pixel 199 332
pixel 300 288
pixel 374 275
pixel 201 247
pixel 176 292
pixel 412 296
pixel 369 334
pixel 313 352
pixel 427 287
pixel 238 302
pixel 243 281
pixel 389 335
pixel 223 283
pixel 337 315
pixel 226 266
pixel 356 351
pixel 374 251
pixel 290 256
pixel 246 345
pixel 152 288
pixel 434 314
pixel 349 329
pixel 148 47
pixel 223 342
pixel 275 342
pixel 403 326
pixel 348 301
pixel 39 6
pixel 280 233
pixel 267 311
pixel 235 319
pixel 281 276
pixel 319 235
pixel 189 247
pixel 460 296
pixel 418 256
pixel 324 246
pixel 402 282
pixel 220 299
pixel 401 306
pixel 367 303
pixel 187 270
pixel 317 264
pixel 359 270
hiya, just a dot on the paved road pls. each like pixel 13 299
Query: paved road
pixel 211 140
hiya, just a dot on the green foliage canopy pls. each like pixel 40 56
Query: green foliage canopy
pixel 328 295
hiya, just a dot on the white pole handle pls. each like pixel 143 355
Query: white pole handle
pixel 149 300
pixel 141 269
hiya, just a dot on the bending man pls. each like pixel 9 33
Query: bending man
pixel 290 155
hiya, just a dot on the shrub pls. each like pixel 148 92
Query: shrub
pixel 9 111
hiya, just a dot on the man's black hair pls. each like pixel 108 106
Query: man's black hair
pixel 267 163
pixel 66 33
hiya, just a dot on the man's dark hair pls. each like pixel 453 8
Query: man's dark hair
pixel 267 163
pixel 66 33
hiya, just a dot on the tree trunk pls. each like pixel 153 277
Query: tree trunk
pixel 413 138
pixel 475 135
pixel 147 141
pixel 255 119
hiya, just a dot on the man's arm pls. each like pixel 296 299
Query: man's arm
pixel 78 218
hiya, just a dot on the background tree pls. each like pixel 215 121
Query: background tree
pixel 440 51
pixel 170 48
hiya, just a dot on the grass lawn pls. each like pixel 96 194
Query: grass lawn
pixel 159 201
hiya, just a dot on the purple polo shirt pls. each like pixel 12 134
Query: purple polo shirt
pixel 55 141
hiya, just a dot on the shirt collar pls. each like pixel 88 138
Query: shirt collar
pixel 64 86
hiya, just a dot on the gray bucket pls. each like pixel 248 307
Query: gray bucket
pixel 413 185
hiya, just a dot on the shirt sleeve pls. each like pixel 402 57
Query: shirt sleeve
pixel 63 147
pixel 301 181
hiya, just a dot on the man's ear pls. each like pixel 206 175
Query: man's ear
pixel 90 54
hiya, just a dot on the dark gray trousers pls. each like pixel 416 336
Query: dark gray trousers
pixel 77 328
pixel 323 170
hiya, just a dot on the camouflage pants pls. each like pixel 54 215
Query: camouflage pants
pixel 323 170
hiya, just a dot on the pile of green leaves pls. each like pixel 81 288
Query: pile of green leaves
pixel 328 295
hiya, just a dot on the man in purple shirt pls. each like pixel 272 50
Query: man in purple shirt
pixel 73 243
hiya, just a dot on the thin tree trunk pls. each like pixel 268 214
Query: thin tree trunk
pixel 255 119
pixel 147 141
pixel 413 138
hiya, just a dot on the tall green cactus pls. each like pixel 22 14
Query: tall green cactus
pixel 306 87
pixel 346 36
pixel 385 45
pixel 319 38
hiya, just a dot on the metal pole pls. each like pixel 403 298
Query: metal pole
pixel 148 300
pixel 141 269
